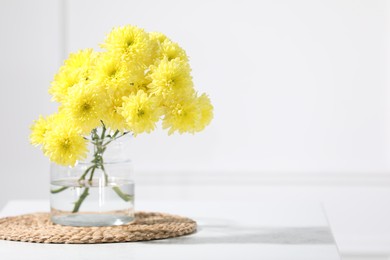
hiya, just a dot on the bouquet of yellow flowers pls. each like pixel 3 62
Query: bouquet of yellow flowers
pixel 139 79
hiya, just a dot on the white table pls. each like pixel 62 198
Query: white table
pixel 269 230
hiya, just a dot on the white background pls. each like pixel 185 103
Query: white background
pixel 300 90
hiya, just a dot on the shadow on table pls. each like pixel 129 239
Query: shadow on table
pixel 215 234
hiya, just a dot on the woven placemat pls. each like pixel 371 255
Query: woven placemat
pixel 38 228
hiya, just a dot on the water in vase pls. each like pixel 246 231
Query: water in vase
pixel 92 203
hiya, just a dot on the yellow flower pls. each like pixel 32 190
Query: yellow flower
pixel 141 112
pixel 171 77
pixel 64 145
pixel 172 50
pixel 85 106
pixel 157 37
pixel 206 112
pixel 113 118
pixel 182 116
pixel 77 68
pixel 38 131
pixel 131 42
pixel 81 62
pixel 114 74
pixel 41 127
pixel 63 81
pixel 141 85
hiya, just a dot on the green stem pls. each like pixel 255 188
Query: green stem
pixel 103 131
pixel 91 176
pixel 58 190
pixel 80 200
pixel 86 172
pixel 124 196
pixel 115 134
pixel 114 137
pixel 105 174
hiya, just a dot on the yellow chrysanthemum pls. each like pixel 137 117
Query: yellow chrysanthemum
pixel 41 127
pixel 38 131
pixel 206 112
pixel 114 74
pixel 183 116
pixel 64 145
pixel 141 112
pixel 172 50
pixel 113 118
pixel 170 77
pixel 77 68
pixel 85 106
pixel 131 42
pixel 141 85
pixel 81 61
pixel 157 37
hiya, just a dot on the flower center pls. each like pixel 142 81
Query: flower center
pixel 65 144
pixel 140 112
pixel 112 72
pixel 171 82
pixel 129 42
pixel 86 107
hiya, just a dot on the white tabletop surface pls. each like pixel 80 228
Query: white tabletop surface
pixel 269 230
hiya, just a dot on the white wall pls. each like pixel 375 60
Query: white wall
pixel 30 41
pixel 298 86
pixel 300 90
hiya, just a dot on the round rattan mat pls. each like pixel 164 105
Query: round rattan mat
pixel 38 228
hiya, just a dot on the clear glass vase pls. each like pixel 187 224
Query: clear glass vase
pixel 98 191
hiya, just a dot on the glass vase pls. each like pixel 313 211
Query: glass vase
pixel 98 191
